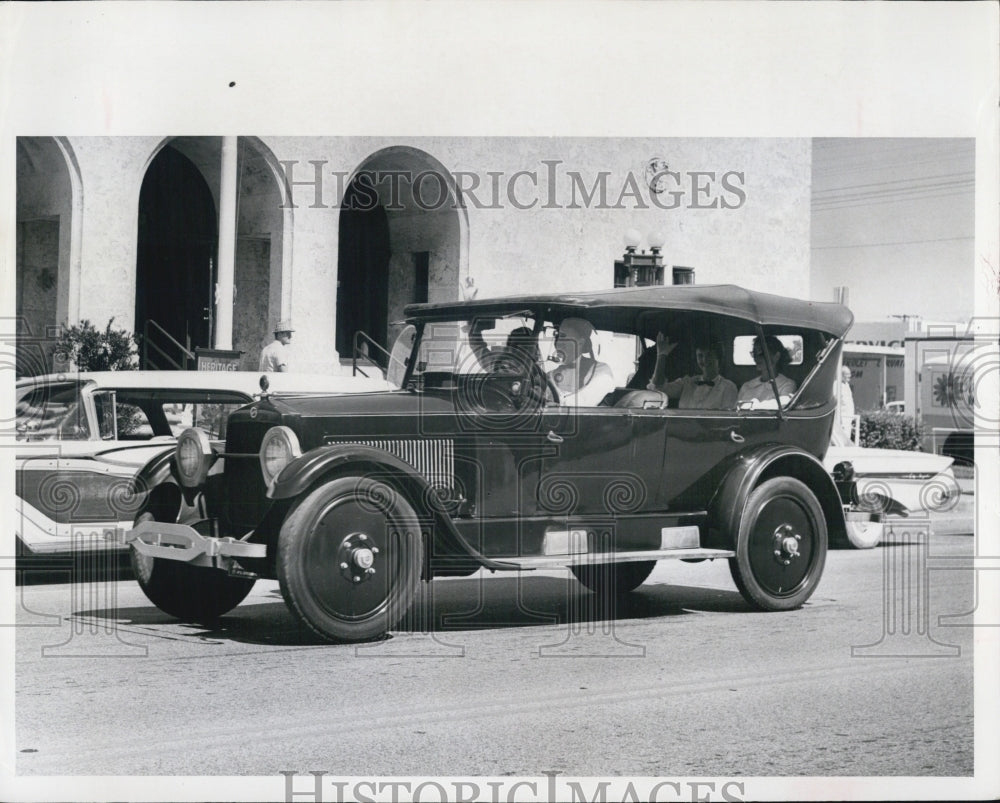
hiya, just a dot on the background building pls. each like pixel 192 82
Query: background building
pixel 209 241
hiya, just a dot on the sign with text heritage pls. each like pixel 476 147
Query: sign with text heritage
pixel 217 359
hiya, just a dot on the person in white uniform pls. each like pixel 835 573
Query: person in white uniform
pixel 274 357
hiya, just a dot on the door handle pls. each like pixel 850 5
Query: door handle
pixel 552 436
pixel 736 437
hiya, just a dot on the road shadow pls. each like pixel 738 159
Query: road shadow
pixel 449 607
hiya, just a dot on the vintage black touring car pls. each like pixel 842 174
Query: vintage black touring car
pixel 573 430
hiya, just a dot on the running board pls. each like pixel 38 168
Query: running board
pixel 591 558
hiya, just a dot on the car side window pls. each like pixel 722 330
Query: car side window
pixel 585 363
pixel 210 417
pixel 791 360
pixel 132 422
pixel 107 418
pixel 146 414
pixel 51 413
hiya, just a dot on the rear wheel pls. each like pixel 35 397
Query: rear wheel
pixel 191 593
pixel 781 546
pixel 613 579
pixel 350 556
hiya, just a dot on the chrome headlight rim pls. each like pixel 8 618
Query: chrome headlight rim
pixel 292 448
pixel 200 441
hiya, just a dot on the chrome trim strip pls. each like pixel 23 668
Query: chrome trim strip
pixel 557 561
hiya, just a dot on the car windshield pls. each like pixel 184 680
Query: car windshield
pixel 472 346
pixel 513 343
pixel 51 412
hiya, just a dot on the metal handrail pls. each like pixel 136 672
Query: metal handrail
pixel 389 359
pixel 362 336
pixel 186 353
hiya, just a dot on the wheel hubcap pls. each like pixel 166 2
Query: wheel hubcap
pixel 786 544
pixel 356 557
pixel 780 549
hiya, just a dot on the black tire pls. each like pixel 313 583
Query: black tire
pixel 323 547
pixel 961 447
pixel 191 593
pixel 780 509
pixel 614 578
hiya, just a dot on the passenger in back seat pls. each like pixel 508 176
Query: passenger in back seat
pixel 708 390
pixel 758 393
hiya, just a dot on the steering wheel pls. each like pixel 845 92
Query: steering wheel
pixel 527 393
pixel 551 387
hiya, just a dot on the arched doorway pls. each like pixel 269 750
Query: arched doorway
pixel 363 259
pixel 47 200
pixel 400 241
pixel 176 247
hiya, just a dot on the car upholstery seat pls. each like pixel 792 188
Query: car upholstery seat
pixel 644 399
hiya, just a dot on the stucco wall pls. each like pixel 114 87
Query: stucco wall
pixel 762 243
pixel 557 242
pixel 44 203
pixel 111 173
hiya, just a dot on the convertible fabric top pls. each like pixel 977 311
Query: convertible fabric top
pixel 630 303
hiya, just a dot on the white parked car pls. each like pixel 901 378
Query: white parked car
pixel 887 482
pixel 81 439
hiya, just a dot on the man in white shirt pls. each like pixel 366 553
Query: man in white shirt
pixel 708 390
pixel 274 357
pixel 582 380
pixel 845 408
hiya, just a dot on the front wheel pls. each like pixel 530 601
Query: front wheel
pixel 190 593
pixel 781 546
pixel 350 556
pixel 613 579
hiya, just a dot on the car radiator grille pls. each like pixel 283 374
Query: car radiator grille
pixel 247 437
pixel 434 459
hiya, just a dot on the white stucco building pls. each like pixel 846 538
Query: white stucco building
pixel 214 239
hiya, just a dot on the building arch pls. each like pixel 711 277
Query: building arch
pixel 176 245
pixel 261 269
pixel 48 221
pixel 403 237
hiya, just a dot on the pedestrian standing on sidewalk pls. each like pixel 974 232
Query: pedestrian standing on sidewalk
pixel 274 357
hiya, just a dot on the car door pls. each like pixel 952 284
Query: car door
pixel 599 461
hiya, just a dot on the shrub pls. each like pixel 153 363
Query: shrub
pixel 91 350
pixel 881 429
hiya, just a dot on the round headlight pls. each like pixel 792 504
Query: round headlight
pixel 843 471
pixel 194 457
pixel 279 448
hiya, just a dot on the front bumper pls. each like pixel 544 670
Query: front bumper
pixel 160 539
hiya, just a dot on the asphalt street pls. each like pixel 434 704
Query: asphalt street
pixel 519 675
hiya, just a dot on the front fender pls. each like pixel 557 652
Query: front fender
pixel 156 472
pixel 299 476
pixel 758 465
pixel 303 472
